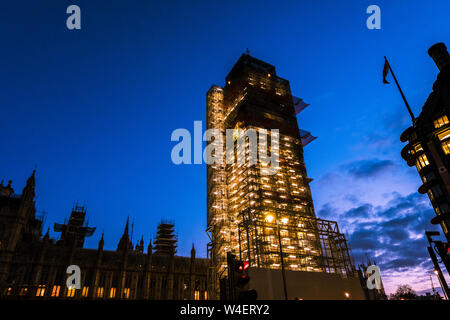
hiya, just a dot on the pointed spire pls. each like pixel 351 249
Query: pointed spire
pixel 28 190
pixel 193 251
pixel 31 179
pixel 101 243
pixel 125 243
pixel 126 226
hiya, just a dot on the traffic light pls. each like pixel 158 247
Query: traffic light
pixel 241 281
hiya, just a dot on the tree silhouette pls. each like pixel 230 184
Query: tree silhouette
pixel 404 292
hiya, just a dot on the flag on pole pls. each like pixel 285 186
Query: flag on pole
pixel 385 70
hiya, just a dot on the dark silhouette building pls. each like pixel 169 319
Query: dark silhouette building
pixel 371 294
pixel 32 266
pixel 428 140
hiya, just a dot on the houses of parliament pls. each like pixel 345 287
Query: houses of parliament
pixel 33 266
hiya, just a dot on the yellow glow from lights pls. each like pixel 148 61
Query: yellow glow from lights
pixel 269 218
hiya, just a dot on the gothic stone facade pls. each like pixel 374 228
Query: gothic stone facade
pixel 34 267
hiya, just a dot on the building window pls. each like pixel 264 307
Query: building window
pixel 71 293
pixel 444 135
pixel 126 293
pixel 442 121
pixel 112 293
pixel 418 148
pixel 85 291
pixel 445 141
pixel 197 295
pixel 40 291
pixel 206 295
pixel 438 212
pixel 23 291
pixel 422 161
pixel 55 291
pixel 446 146
pixel 444 227
pixel 100 292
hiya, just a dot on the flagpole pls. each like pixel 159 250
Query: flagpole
pixel 401 92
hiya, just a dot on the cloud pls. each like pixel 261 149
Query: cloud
pixel 368 168
pixel 392 234
pixel 363 211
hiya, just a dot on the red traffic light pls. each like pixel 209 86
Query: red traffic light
pixel 242 266
pixel 242 281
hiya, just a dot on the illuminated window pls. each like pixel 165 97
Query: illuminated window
pixel 438 212
pixel 445 138
pixel 446 146
pixel 23 291
pixel 422 161
pixel 206 295
pixel 100 292
pixel 40 291
pixel 71 293
pixel 196 295
pixel 442 121
pixel 126 293
pixel 55 291
pixel 418 148
pixel 444 227
pixel 112 293
pixel 444 135
pixel 85 291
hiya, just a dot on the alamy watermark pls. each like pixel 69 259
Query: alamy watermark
pixel 374 20
pixel 373 277
pixel 241 146
pixel 74 280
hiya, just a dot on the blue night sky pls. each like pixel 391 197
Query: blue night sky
pixel 94 110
